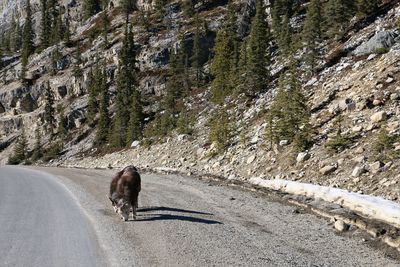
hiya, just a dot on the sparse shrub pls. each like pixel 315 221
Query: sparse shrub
pixel 340 141
pixel 53 151
pixel 185 123
pixel 383 147
pixel 381 50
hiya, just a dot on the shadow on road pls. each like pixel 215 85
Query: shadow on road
pixel 171 217
pixel 145 209
pixel 168 217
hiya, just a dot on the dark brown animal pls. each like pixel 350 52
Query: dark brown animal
pixel 124 191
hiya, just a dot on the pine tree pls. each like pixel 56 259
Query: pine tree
pixel 232 31
pixel 198 55
pixel 104 121
pixel 257 69
pixel 37 151
pixel 77 70
pixel 312 34
pixel 27 42
pixel 337 17
pixel 62 126
pixel 49 110
pixel 126 83
pixel 44 25
pixel 367 7
pixel 188 8
pixel 128 6
pixel 220 66
pixel 289 115
pixel 178 84
pixel 17 37
pixel 106 26
pixel 20 150
pixel 67 30
pixel 92 101
pixel 282 11
pixel 90 8
pixel 135 124
pixel 221 130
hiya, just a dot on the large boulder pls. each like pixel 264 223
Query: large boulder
pixel 381 41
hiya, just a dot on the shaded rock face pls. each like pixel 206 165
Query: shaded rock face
pixel 2 109
pixel 378 43
pixel 27 103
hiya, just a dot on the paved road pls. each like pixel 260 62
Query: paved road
pixel 41 223
pixel 181 222
pixel 187 222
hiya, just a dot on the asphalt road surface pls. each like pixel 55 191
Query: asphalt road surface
pixel 41 224
pixel 61 217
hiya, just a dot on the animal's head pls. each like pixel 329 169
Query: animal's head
pixel 123 208
pixel 113 203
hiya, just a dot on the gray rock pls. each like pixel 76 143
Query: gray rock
pixel 375 167
pixel 135 143
pixel 251 159
pixel 283 142
pixel 379 42
pixel 378 117
pixel 303 156
pixel 341 226
pixel 359 170
pixel 328 169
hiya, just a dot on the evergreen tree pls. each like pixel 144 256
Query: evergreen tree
pixel 126 83
pixel 16 37
pixel 37 151
pixel 367 7
pixel 58 27
pixel 92 101
pixel 289 114
pixel 188 8
pixel 232 31
pixel 128 6
pixel 257 72
pixel 20 150
pixel 62 126
pixel 135 124
pixel 220 129
pixel 106 26
pixel 337 17
pixel 178 84
pixel 312 34
pixel 197 58
pixel 77 70
pixel 67 30
pixel 282 11
pixel 44 25
pixel 49 110
pixel 90 8
pixel 27 41
pixel 104 121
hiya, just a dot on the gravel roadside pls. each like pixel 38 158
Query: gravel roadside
pixel 186 222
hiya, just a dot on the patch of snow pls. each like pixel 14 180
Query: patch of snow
pixel 373 207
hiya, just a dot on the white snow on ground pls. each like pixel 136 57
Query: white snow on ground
pixel 370 206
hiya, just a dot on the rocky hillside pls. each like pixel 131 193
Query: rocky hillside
pixel 354 98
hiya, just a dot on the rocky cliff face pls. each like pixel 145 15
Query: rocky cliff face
pixel 360 86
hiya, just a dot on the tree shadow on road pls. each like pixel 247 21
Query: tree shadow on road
pixel 170 217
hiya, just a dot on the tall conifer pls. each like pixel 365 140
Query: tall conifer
pixel 257 73
pixel 312 34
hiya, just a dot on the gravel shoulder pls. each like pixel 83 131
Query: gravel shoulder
pixel 187 222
